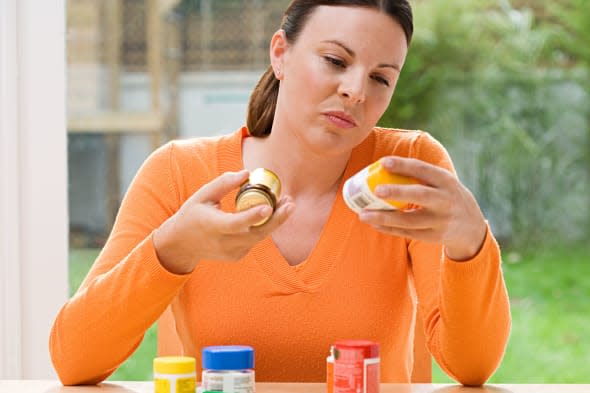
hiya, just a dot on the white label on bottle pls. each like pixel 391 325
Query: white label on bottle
pixel 358 196
pixel 229 382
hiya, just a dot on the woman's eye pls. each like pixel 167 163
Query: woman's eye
pixel 334 61
pixel 381 80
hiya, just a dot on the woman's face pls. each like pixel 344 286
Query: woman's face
pixel 338 77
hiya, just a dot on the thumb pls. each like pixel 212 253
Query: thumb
pixel 217 188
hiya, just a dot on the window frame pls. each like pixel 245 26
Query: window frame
pixel 33 183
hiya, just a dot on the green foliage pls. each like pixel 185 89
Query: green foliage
pixel 570 47
pixel 548 296
pixel 477 77
pixel 456 42
pixel 571 22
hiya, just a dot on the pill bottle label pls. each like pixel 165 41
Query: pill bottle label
pixel 162 385
pixel 174 385
pixel 358 195
pixel 358 377
pixel 185 385
pixel 372 376
pixel 235 382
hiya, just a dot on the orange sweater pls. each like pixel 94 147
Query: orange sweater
pixel 357 283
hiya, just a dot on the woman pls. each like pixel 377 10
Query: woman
pixel 316 272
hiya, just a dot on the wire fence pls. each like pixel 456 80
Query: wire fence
pixel 214 35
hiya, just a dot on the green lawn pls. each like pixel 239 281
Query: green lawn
pixel 549 294
pixel 549 343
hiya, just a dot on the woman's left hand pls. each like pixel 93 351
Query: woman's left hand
pixel 447 214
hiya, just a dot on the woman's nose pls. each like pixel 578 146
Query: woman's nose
pixel 352 89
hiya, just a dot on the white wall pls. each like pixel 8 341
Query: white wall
pixel 33 184
pixel 214 103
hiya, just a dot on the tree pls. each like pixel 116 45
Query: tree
pixel 478 78
pixel 571 22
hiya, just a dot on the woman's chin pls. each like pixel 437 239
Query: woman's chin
pixel 330 145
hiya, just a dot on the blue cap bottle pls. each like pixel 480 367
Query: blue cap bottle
pixel 228 368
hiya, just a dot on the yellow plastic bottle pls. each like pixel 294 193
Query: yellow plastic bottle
pixel 175 374
pixel 359 190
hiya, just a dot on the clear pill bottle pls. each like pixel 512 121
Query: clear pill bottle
pixel 174 374
pixel 228 368
pixel 359 190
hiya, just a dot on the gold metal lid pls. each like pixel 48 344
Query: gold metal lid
pixel 267 178
pixel 254 196
pixel 262 187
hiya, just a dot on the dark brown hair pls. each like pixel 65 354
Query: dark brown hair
pixel 263 101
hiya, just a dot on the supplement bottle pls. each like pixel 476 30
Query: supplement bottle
pixel 356 367
pixel 228 369
pixel 174 374
pixel 359 190
pixel 262 187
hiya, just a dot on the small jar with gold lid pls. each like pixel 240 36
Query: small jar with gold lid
pixel 263 187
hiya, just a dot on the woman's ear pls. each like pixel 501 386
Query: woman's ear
pixel 278 48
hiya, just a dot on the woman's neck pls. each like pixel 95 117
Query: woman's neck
pixel 302 173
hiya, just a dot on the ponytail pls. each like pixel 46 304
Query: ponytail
pixel 262 105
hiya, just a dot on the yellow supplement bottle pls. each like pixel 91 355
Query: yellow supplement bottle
pixel 174 374
pixel 359 190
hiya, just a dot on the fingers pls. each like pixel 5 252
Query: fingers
pixel 446 207
pixel 240 222
pixel 225 223
pixel 433 192
pixel 427 235
pixel 245 221
pixel 413 193
pixel 417 224
pixel 284 209
pixel 425 172
pixel 217 188
pixel 402 220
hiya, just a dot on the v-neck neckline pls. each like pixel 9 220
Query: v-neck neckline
pixel 309 275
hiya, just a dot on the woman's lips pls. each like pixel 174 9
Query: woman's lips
pixel 340 119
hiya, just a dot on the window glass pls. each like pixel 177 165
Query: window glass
pixel 141 73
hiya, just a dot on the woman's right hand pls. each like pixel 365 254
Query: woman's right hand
pixel 200 230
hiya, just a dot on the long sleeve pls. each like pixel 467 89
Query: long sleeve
pixel 126 290
pixel 465 309
pixel 464 304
